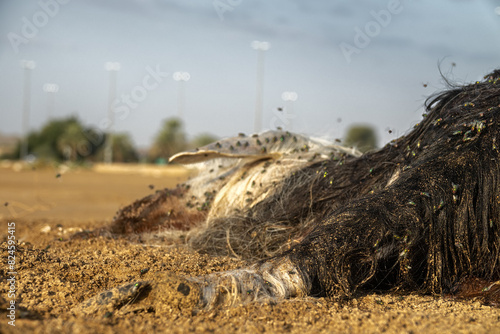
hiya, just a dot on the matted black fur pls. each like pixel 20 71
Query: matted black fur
pixel 438 220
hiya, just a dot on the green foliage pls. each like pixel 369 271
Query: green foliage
pixel 63 139
pixel 123 149
pixel 362 137
pixel 68 139
pixel 72 141
pixel 170 139
pixel 202 140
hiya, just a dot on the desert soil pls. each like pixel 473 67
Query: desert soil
pixel 55 274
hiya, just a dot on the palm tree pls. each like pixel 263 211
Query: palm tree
pixel 123 148
pixel 170 140
pixel 72 142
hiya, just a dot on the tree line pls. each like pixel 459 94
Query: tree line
pixel 67 139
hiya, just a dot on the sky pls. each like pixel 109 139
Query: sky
pixel 349 62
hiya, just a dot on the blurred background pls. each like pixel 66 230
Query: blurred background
pixel 161 75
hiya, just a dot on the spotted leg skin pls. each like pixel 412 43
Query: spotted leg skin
pixel 164 293
pixel 269 281
pixel 111 300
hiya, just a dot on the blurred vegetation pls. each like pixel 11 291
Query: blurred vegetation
pixel 69 140
pixel 362 137
pixel 202 140
pixel 123 149
pixel 59 140
pixel 169 140
pixel 172 139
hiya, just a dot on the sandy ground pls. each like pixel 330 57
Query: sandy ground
pixel 54 274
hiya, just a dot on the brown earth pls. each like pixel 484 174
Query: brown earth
pixel 55 274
